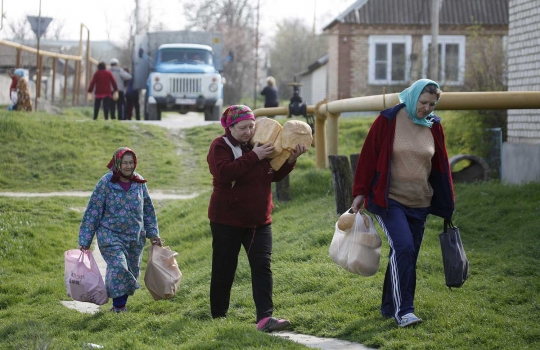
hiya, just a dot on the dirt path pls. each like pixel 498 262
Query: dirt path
pixel 155 195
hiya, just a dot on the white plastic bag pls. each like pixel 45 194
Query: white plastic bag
pixel 162 276
pixel 357 250
pixel 82 277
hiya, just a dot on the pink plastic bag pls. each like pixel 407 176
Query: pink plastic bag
pixel 82 277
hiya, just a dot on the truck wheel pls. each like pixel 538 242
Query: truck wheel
pixel 212 113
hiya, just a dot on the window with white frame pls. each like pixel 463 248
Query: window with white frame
pixel 451 58
pixel 389 61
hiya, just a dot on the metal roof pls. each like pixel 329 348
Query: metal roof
pixel 418 12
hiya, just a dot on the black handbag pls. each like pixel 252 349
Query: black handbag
pixel 456 264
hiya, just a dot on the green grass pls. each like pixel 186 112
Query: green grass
pixel 41 153
pixel 497 308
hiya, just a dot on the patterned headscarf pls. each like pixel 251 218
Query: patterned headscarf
pixel 410 97
pixel 116 162
pixel 19 72
pixel 235 114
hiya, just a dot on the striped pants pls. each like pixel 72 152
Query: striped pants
pixel 404 228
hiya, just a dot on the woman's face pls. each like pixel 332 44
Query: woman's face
pixel 127 165
pixel 426 105
pixel 243 131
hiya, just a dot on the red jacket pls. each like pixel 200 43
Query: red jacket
pixel 372 176
pixel 247 202
pixel 13 86
pixel 102 81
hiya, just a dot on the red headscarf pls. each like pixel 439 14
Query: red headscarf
pixel 116 161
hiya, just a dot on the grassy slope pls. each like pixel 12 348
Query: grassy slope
pixel 497 307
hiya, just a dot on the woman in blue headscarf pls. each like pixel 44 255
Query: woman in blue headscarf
pixel 24 101
pixel 403 175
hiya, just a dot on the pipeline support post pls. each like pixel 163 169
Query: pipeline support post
pixel 320 136
pixel 333 133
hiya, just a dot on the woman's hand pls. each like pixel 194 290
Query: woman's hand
pixel 156 241
pixel 295 153
pixel 357 203
pixel 263 151
pixel 83 248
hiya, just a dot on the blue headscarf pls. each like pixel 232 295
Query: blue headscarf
pixel 410 97
pixel 19 72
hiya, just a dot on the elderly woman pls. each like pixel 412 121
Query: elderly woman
pixel 24 101
pixel 403 175
pixel 239 213
pixel 121 214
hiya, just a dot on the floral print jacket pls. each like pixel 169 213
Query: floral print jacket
pixel 115 212
pixel 24 101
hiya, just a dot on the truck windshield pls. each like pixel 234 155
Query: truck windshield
pixel 190 56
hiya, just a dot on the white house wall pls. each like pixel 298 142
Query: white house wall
pixel 319 84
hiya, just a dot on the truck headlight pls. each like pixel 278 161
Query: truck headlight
pixel 213 87
pixel 158 86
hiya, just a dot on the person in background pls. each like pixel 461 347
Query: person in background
pixel 120 76
pixel 270 93
pixel 24 100
pixel 402 175
pixel 13 86
pixel 240 213
pixel 101 84
pixel 121 214
pixel 132 99
pixel 12 89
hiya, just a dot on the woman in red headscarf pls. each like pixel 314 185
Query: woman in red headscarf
pixel 239 213
pixel 121 214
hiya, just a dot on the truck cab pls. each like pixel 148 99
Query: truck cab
pixel 181 77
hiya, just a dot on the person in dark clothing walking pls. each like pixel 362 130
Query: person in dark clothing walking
pixel 239 213
pixel 402 176
pixel 270 93
pixel 132 99
pixel 120 76
pixel 101 84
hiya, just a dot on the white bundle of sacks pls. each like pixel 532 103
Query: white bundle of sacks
pixel 356 245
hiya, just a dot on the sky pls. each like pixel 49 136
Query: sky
pixel 108 19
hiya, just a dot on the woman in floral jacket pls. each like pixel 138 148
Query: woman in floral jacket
pixel 24 101
pixel 121 214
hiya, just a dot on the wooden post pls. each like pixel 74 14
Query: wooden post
pixel 283 190
pixel 342 180
pixel 75 79
pixel 66 72
pixel 19 58
pixel 354 161
pixel 53 77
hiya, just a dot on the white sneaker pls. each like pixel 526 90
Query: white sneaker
pixel 409 320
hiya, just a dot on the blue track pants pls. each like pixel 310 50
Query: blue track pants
pixel 404 228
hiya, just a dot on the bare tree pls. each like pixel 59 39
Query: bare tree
pixel 294 48
pixel 19 29
pixel 55 31
pixel 234 19
pixel 487 71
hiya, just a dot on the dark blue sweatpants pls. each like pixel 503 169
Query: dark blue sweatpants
pixel 404 228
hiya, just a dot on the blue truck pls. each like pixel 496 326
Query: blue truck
pixel 179 71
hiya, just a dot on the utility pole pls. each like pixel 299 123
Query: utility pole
pixel 256 56
pixel 434 50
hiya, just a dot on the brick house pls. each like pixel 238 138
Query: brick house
pixel 521 152
pixel 385 43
